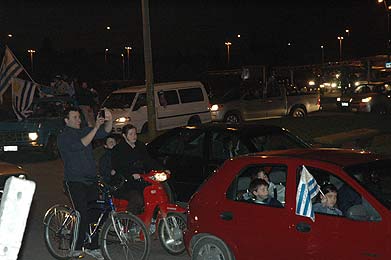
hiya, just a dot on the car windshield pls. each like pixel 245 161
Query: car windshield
pixel 375 177
pixel 276 141
pixel 49 109
pixel 119 100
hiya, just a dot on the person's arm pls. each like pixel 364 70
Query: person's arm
pixel 108 121
pixel 86 140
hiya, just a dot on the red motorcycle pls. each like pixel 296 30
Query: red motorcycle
pixel 159 212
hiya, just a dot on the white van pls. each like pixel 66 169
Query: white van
pixel 176 104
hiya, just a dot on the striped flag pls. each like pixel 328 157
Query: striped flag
pixel 22 96
pixel 10 67
pixel 308 188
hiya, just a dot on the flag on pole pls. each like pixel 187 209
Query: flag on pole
pixel 308 188
pixel 10 67
pixel 22 97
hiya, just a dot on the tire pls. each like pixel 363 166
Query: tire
pixel 177 224
pixel 51 148
pixel 194 121
pixel 137 244
pixel 58 232
pixel 232 118
pixel 211 248
pixel 298 112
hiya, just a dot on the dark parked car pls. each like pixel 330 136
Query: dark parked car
pixel 7 170
pixel 222 224
pixel 192 153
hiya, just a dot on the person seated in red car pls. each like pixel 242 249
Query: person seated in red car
pixel 328 201
pixel 259 188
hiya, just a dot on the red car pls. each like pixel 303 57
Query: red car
pixel 225 223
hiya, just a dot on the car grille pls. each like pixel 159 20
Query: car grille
pixel 13 137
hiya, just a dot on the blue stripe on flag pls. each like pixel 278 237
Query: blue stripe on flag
pixel 300 202
pixel 6 82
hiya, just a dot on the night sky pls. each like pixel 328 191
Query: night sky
pixel 194 32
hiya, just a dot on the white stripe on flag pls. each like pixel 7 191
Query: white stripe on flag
pixel 307 189
pixel 10 68
pixel 22 96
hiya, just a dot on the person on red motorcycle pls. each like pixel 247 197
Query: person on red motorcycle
pixel 129 159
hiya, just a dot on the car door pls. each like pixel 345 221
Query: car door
pixel 276 102
pixel 339 237
pixel 253 106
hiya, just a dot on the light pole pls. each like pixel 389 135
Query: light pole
pixel 31 51
pixel 228 44
pixel 128 54
pixel 322 53
pixel 106 51
pixel 123 66
pixel 340 38
pixel 347 32
pixel 388 40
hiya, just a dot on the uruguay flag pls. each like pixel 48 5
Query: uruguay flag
pixel 10 67
pixel 22 96
pixel 308 188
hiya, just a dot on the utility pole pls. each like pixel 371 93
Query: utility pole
pixel 148 70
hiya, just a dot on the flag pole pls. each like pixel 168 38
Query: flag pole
pixel 20 64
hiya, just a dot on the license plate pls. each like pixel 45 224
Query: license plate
pixel 345 104
pixel 354 109
pixel 10 148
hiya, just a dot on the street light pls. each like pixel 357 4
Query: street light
pixel 31 51
pixel 128 54
pixel 9 35
pixel 106 51
pixel 340 38
pixel 228 44
pixel 348 32
pixel 322 56
pixel 123 66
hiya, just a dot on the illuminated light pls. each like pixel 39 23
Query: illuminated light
pixel 214 107
pixel 238 35
pixel 123 119
pixel 33 136
pixel 195 218
pixel 321 86
pixel 356 83
pixel 327 84
pixel 333 85
pixel 9 35
pixel 108 27
pixel 351 99
pixel 366 100
pixel 337 75
pixel 311 83
pixel 338 99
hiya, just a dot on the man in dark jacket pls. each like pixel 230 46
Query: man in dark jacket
pixel 130 159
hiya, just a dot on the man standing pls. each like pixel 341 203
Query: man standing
pixel 80 174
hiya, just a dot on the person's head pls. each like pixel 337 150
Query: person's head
pixel 259 188
pixel 330 195
pixel 262 175
pixel 84 84
pixel 72 117
pixel 110 142
pixel 129 133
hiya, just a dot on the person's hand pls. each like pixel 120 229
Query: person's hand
pixel 113 172
pixel 136 176
pixel 99 121
pixel 108 115
pixel 324 200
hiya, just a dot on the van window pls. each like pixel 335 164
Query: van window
pixel 140 102
pixel 191 95
pixel 119 100
pixel 168 98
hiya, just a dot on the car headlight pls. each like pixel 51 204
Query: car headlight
pixel 215 107
pixel 338 99
pixel 122 119
pixel 33 136
pixel 366 100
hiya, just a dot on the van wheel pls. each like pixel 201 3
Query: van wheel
pixel 194 121
pixel 144 129
pixel 298 112
pixel 232 118
pixel 51 149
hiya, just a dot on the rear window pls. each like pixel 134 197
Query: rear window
pixel 191 95
pixel 119 100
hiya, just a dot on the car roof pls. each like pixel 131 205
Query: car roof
pixel 251 127
pixel 7 169
pixel 168 85
pixel 340 157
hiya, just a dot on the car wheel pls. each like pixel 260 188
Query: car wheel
pixel 211 248
pixel 51 148
pixel 298 112
pixel 232 118
pixel 194 121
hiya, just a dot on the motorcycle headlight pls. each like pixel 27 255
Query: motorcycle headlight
pixel 122 119
pixel 366 100
pixel 33 136
pixel 160 176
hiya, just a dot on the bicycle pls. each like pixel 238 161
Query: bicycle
pixel 122 234
pixel 159 212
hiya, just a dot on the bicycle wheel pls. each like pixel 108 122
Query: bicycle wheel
pixel 127 239
pixel 58 231
pixel 171 238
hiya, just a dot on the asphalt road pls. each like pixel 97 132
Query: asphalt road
pixel 48 176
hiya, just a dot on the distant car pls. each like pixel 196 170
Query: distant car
pixel 192 153
pixel 7 170
pixel 222 224
pixel 370 97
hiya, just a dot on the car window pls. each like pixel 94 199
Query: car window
pixel 167 98
pixel 226 145
pixel 244 187
pixel 191 95
pixel 349 202
pixel 119 100
pixel 140 102
pixel 185 142
pixel 274 141
pixel 273 91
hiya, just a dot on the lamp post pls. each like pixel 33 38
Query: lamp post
pixel 106 51
pixel 322 53
pixel 128 55
pixel 123 66
pixel 347 32
pixel 31 51
pixel 228 44
pixel 340 38
pixel 388 40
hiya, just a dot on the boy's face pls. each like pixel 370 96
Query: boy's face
pixel 261 192
pixel 110 143
pixel 331 199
